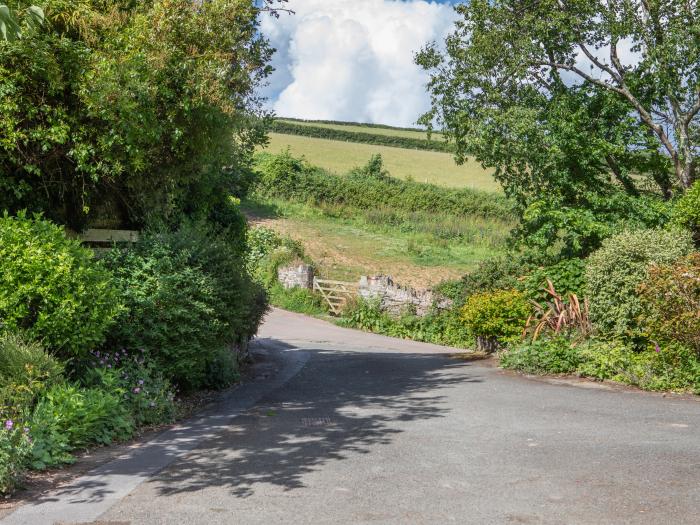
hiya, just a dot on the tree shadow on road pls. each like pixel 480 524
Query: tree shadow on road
pixel 339 405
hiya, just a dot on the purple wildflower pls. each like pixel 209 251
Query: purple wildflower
pixel 657 348
pixel 9 424
pixel 137 390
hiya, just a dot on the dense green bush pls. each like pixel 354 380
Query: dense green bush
pixel 369 187
pixel 306 130
pixel 497 316
pixel 268 251
pixel 26 372
pixel 187 294
pixel 614 272
pixel 132 110
pixel 146 393
pixel 568 276
pixel 669 367
pixel 15 451
pixel 544 356
pixel 686 211
pixel 69 417
pixel 670 302
pixel 300 300
pixel 438 327
pixel 222 369
pixel 52 288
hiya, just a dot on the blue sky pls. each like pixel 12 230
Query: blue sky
pixel 353 59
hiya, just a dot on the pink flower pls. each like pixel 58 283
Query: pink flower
pixel 9 424
pixel 137 390
pixel 657 348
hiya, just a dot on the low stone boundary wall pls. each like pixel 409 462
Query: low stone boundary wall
pixel 393 298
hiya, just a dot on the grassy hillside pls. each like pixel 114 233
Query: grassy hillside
pixel 364 223
pixel 423 166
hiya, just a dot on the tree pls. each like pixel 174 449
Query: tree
pixel 131 111
pixel 511 64
pixel 11 25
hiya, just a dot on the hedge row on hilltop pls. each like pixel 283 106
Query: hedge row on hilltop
pixel 284 176
pixel 290 128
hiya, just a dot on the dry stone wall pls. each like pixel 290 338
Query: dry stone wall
pixel 392 297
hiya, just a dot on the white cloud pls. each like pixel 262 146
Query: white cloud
pixel 353 59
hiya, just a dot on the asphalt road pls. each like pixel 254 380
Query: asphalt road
pixel 347 427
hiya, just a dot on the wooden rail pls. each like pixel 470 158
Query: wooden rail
pixel 335 293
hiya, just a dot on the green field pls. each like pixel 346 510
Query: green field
pixel 423 166
pixel 359 128
pixel 347 243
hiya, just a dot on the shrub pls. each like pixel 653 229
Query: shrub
pixel 186 295
pixel 222 369
pixel 686 212
pixel 671 367
pixel 497 273
pixel 498 316
pixel 614 272
pixel 568 276
pixel 297 299
pixel 560 315
pixel 15 450
pixel 146 393
pixel 26 372
pixel 268 251
pixel 51 287
pixel 544 356
pixel 442 327
pixel 670 302
pixel 369 187
pixel 69 417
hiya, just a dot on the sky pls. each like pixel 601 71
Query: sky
pixel 352 60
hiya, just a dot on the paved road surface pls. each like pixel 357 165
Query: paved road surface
pixel 347 427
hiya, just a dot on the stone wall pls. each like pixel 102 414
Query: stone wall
pixel 393 298
pixel 301 276
pixel 397 299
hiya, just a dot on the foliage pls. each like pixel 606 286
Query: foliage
pixel 560 315
pixel 130 110
pixel 15 450
pixel 26 372
pixel 52 288
pixel 367 188
pixel 544 356
pixel 499 315
pixel 686 211
pixel 290 128
pixel 670 302
pixel 222 368
pixel 186 295
pixel 438 327
pixel 552 228
pixel 511 88
pixel 496 273
pixel 268 251
pixel 671 367
pixel 69 417
pixel 12 22
pixel 297 299
pixel 145 392
pixel 614 272
pixel 567 276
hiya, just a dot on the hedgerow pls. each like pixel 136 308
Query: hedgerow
pixel 290 128
pixel 369 187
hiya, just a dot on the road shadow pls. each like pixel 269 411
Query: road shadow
pixel 339 405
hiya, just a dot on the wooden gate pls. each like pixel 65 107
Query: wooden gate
pixel 336 293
